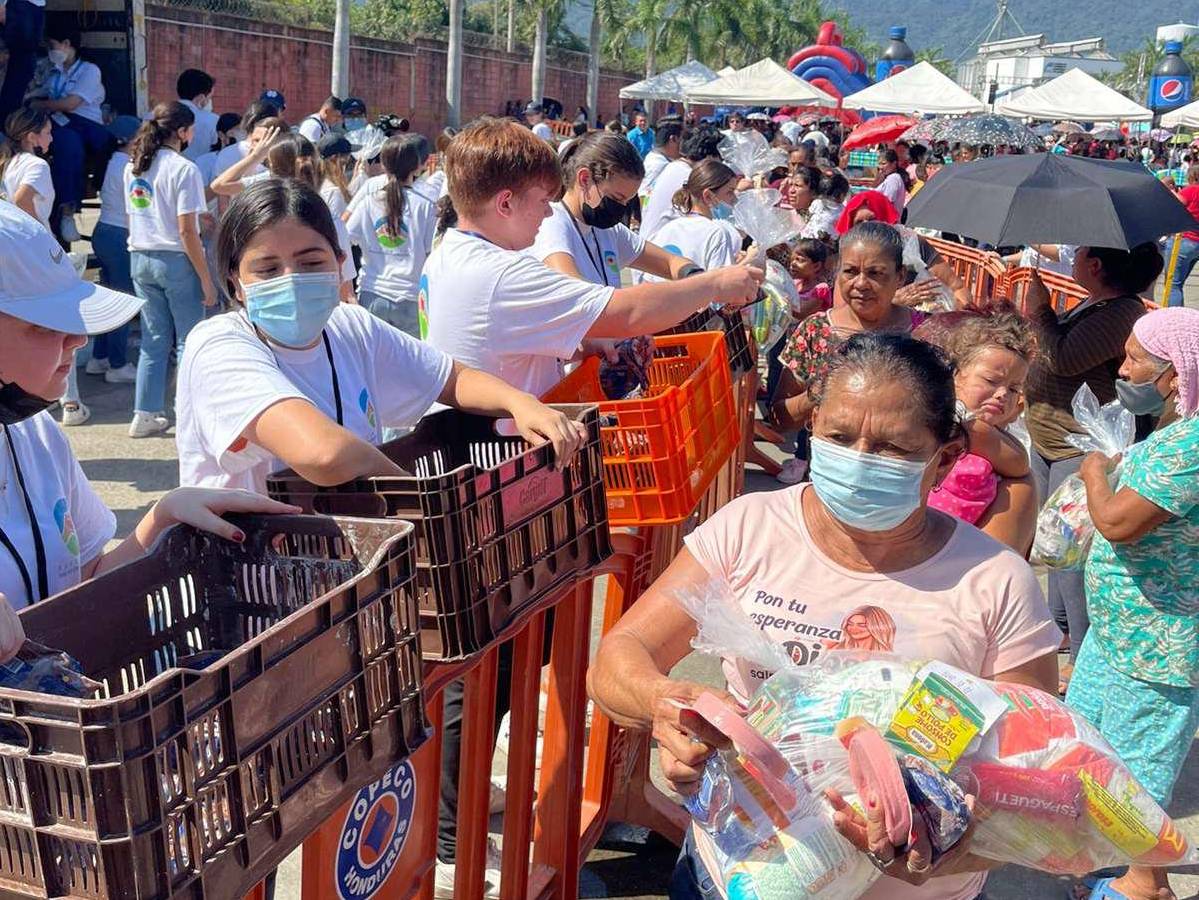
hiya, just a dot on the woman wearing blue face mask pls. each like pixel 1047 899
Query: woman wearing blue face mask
pixel 293 378
pixel 854 559
pixel 703 231
pixel 585 236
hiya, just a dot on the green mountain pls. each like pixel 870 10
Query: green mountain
pixel 955 25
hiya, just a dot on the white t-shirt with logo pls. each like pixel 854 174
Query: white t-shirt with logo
pixel 598 254
pixel 391 263
pixel 80 79
pixel 504 312
pixel 655 162
pixel 657 205
pixel 170 188
pixel 229 377
pixel 73 522
pixel 30 169
pixel 112 192
pixel 544 132
pixel 204 135
pixel 708 243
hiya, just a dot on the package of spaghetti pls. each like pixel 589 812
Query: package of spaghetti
pixel 921 736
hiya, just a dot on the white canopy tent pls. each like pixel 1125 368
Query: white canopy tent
pixel 764 83
pixel 670 85
pixel 920 89
pixel 1076 96
pixel 1183 117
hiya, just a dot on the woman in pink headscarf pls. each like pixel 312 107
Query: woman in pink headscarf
pixel 1137 674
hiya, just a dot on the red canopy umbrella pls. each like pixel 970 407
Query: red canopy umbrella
pixel 879 130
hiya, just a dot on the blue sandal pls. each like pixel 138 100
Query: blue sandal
pixel 1103 890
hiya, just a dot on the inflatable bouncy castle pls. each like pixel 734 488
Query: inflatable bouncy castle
pixel 835 69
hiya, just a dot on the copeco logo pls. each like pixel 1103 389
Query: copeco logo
pixel 374 833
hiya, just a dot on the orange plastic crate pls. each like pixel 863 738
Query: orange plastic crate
pixel 662 451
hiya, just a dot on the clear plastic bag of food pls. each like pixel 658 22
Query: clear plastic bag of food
pixel 1064 527
pixel 772 315
pixel 758 214
pixel 750 156
pixel 1049 792
pixel 366 143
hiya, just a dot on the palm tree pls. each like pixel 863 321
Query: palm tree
pixel 543 10
pixel 510 45
pixel 453 66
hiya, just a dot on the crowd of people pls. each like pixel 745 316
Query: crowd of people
pixel 320 289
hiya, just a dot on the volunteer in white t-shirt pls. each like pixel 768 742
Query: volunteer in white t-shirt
pixel 703 231
pixel 393 224
pixel 585 235
pixel 657 200
pixel 536 119
pixel 494 307
pixel 53 527
pixel 293 378
pixel 194 87
pixel 666 149
pixel 251 126
pixel 73 94
pixel 286 155
pixel 164 197
pixel 319 124
pixel 335 166
pixel 110 243
pixel 24 174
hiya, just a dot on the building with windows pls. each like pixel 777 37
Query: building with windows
pixel 1012 64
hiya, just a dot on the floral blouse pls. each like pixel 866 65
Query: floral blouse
pixel 813 341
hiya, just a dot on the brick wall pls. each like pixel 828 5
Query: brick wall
pixel 246 57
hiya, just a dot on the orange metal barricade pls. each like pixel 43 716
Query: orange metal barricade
pixel 982 274
pixel 1064 293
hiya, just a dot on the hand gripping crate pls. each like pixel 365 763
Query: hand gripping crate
pixel 741 353
pixel 497 526
pixel 662 451
pixel 249 690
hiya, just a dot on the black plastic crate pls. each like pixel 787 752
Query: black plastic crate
pixel 193 778
pixel 742 357
pixel 497 526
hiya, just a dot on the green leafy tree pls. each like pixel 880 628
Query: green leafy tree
pixel 936 57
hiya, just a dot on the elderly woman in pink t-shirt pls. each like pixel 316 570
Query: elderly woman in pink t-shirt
pixel 859 559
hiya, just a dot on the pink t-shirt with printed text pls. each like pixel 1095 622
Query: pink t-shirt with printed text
pixel 974 604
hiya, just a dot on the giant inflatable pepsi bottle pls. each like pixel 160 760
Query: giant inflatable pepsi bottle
pixel 897 57
pixel 1170 86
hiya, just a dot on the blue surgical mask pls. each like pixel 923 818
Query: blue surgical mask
pixel 722 211
pixel 293 309
pixel 864 490
pixel 1140 399
pixel 354 124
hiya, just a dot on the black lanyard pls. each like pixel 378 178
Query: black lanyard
pixel 320 123
pixel 600 253
pixel 39 548
pixel 333 375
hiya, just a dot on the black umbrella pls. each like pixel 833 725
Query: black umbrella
pixel 1050 198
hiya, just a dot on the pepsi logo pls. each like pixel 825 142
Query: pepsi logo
pixel 374 833
pixel 1172 89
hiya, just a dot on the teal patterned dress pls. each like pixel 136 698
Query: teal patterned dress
pixel 1143 596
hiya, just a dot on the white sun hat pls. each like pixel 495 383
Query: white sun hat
pixel 40 285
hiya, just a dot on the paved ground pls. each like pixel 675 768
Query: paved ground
pixel 130 475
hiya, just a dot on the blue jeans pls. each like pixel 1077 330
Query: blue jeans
pixel 23 25
pixel 174 305
pixel 72 143
pixel 111 244
pixel 1067 594
pixel 401 314
pixel 1188 255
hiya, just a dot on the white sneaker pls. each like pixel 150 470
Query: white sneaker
pixel 147 424
pixel 68 230
pixel 443 876
pixel 127 374
pixel 794 471
pixel 97 366
pixel 75 414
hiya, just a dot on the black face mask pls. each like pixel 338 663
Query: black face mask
pixel 183 145
pixel 17 404
pixel 607 215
